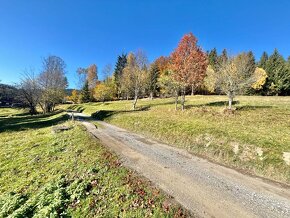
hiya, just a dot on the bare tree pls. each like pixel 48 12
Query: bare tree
pixel 29 91
pixel 107 71
pixel 52 82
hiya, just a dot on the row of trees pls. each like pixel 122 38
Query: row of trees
pixel 272 72
pixel 45 89
pixel 188 70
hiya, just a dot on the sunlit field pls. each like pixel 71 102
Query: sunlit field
pixel 255 137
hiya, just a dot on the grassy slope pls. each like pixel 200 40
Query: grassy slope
pixel 7 111
pixel 258 123
pixel 68 173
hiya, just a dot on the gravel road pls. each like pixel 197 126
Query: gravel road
pixel 205 188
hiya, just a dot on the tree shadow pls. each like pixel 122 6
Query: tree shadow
pixel 75 108
pixel 104 114
pixel 31 122
pixel 252 107
pixel 211 104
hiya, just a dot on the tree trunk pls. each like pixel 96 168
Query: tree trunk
pixel 135 102
pixel 176 100
pixel 32 110
pixel 151 95
pixel 192 89
pixel 183 99
pixel 231 97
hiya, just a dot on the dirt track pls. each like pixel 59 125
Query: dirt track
pixel 205 188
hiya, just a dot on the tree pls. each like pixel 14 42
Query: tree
pixel 9 94
pixel 263 60
pixel 85 95
pixel 117 75
pixel 251 62
pixel 107 70
pixel 152 79
pixel 89 75
pixel 163 63
pixel 30 91
pixel 135 74
pixel 92 76
pixel 52 82
pixel 260 77
pixel 211 79
pixel 213 59
pixel 223 57
pixel 235 76
pixel 82 77
pixel 278 82
pixel 74 96
pixel 105 90
pixel 189 64
pixel 169 86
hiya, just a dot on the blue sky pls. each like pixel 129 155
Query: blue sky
pixel 97 31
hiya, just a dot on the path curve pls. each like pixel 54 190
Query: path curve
pixel 205 188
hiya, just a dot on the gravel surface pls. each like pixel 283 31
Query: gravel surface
pixel 205 188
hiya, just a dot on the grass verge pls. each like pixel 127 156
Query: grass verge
pixel 69 174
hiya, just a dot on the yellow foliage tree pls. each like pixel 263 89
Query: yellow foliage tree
pixel 210 81
pixel 260 76
pixel 74 96
pixel 104 91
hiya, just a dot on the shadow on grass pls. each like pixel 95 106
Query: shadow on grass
pixel 76 108
pixel 104 114
pixel 212 104
pixel 252 107
pixel 225 104
pixel 31 122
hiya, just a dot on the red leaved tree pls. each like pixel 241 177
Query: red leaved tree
pixel 189 64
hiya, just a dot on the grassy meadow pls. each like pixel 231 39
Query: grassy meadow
pixel 68 174
pixel 255 138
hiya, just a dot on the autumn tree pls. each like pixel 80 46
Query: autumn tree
pixel 105 90
pixel 211 79
pixel 135 74
pixel 117 75
pixel 52 82
pixel 260 77
pixel 235 75
pixel 74 96
pixel 189 64
pixel 169 86
pixel 88 75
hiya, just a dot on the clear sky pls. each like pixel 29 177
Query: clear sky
pixel 83 32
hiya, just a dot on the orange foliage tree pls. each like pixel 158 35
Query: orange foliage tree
pixel 189 64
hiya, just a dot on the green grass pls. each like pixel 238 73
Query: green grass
pixel 205 129
pixel 7 111
pixel 68 174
